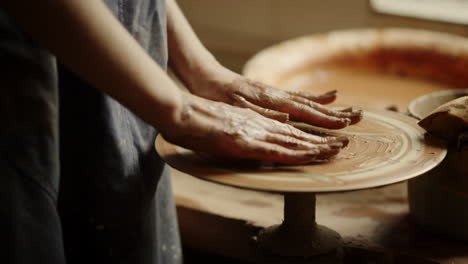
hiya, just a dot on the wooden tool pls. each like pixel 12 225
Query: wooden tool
pixel 449 120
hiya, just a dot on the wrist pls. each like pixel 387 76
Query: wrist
pixel 196 69
pixel 164 114
pixel 174 125
pixel 210 79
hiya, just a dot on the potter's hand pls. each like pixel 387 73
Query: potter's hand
pixel 229 87
pixel 206 77
pixel 224 130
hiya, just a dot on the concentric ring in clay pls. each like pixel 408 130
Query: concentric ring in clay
pixel 385 148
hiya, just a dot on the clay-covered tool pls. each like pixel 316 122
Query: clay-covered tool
pixel 448 120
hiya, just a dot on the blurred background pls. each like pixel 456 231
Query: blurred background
pixel 217 220
pixel 234 30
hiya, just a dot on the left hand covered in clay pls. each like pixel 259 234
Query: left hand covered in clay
pixel 227 86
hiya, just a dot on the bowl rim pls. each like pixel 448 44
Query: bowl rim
pixel 414 103
pixel 273 61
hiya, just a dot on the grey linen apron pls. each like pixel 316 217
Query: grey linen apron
pixel 80 181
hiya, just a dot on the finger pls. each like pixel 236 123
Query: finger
pixel 302 112
pixel 354 115
pixel 328 151
pixel 343 139
pixel 282 101
pixel 325 150
pixel 276 115
pixel 347 109
pixel 322 108
pixel 260 150
pixel 279 101
pixel 325 98
pixel 293 143
pixel 290 142
pixel 289 130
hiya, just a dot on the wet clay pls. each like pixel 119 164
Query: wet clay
pixel 385 147
pixel 360 87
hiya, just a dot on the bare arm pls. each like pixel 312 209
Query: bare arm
pixel 187 55
pixel 204 76
pixel 87 38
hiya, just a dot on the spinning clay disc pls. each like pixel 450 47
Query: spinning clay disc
pixel 385 148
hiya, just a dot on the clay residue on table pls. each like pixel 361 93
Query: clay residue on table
pixel 366 211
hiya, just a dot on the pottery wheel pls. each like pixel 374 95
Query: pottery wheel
pixel 385 148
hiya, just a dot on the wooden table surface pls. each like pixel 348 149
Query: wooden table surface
pixel 220 220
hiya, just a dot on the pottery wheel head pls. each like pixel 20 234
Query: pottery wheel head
pixel 385 148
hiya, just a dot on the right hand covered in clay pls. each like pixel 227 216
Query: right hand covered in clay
pixel 220 84
pixel 224 130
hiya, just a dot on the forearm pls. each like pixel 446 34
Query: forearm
pixel 188 58
pixel 85 36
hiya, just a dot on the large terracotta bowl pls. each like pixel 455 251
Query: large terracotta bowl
pixel 385 68
pixel 377 68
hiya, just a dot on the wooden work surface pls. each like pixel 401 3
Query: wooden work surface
pixel 220 220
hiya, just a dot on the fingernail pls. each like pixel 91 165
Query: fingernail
pixel 344 140
pixel 336 145
pixel 357 116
